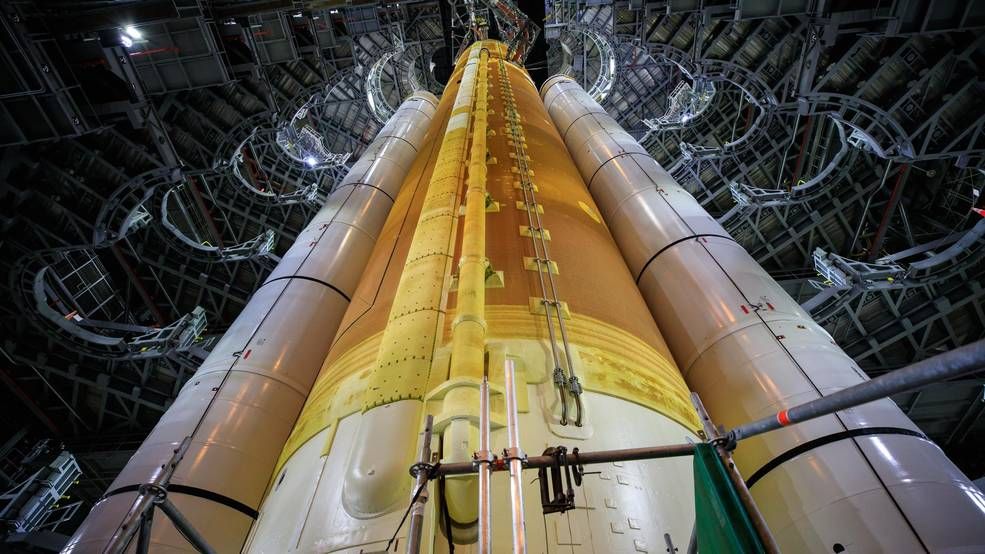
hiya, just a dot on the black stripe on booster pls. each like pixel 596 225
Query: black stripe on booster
pixel 827 439
pixel 198 493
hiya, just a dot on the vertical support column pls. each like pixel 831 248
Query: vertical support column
pixel 419 498
pixel 468 341
pixel 865 477
pixel 483 459
pixel 515 456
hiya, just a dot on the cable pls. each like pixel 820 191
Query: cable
pixel 445 514
pixel 431 471
pixel 404 517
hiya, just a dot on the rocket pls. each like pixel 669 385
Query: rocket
pixel 499 226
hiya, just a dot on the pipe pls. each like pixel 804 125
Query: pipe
pixel 143 505
pixel 420 494
pixel 143 538
pixel 120 540
pixel 670 543
pixel 515 457
pixel 808 126
pixel 564 381
pixel 783 161
pixel 483 459
pixel 468 332
pixel 582 458
pixel 738 483
pixel 960 361
pixel 468 341
pixel 865 209
pixel 184 526
pixel 894 198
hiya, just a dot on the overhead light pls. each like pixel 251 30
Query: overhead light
pixel 126 41
pixel 133 32
pixel 311 161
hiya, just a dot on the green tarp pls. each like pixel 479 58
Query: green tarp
pixel 723 526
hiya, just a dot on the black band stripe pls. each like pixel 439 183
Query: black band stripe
pixel 827 439
pixel 361 184
pixel 197 493
pixel 313 280
pixel 676 242
pixel 402 139
pixel 564 135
